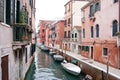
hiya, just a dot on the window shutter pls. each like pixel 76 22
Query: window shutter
pixel 2 10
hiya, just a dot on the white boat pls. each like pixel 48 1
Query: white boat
pixel 44 48
pixel 71 68
pixel 58 57
pixel 52 52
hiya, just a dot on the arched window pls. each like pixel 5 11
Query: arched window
pixel 97 30
pixel 115 27
pixel 83 33
pixel 114 1
pixel 92 32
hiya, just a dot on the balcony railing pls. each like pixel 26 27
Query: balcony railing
pixel 22 33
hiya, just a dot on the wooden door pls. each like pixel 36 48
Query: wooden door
pixel 91 52
pixel 4 66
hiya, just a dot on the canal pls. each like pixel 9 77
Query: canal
pixel 45 68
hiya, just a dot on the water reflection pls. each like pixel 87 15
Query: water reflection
pixel 45 68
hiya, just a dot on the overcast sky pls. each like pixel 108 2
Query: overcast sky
pixel 49 9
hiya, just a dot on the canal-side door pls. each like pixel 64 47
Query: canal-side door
pixel 91 52
pixel 20 63
pixel 4 66
pixel 79 49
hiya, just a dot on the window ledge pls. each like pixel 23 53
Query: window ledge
pixel 3 24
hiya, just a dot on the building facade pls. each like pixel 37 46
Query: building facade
pixel 57 33
pixel 72 18
pixel 99 40
pixel 44 24
pixel 16 49
pixel 76 39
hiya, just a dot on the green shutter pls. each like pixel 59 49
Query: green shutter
pixel 2 10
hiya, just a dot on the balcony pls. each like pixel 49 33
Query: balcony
pixel 91 16
pixel 22 34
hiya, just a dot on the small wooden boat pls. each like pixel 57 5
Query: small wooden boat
pixel 71 68
pixel 58 57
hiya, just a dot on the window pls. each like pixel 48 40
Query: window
pixel 74 46
pixel 2 10
pixel 83 33
pixel 114 1
pixel 43 30
pixel 65 9
pixel 75 35
pixel 91 10
pixel 97 30
pixel 115 27
pixel 31 3
pixel 72 35
pixel 97 6
pixel 18 12
pixel 92 32
pixel 65 23
pixel 15 56
pixel 8 11
pixel 68 34
pixel 26 55
pixel 68 21
pixel 105 51
pixel 69 8
pixel 65 34
pixel 85 48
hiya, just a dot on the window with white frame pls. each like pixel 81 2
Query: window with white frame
pixel 83 33
pixel 105 51
pixel 75 35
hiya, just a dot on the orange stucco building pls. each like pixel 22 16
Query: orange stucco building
pixel 56 34
pixel 99 28
pixel 44 24
pixel 59 30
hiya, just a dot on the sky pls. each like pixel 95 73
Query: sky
pixel 49 9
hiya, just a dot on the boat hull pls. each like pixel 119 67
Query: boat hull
pixel 71 68
pixel 58 57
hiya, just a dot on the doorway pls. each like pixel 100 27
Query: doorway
pixel 91 53
pixel 79 49
pixel 4 66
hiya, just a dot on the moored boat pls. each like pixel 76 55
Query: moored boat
pixel 58 57
pixel 44 48
pixel 52 52
pixel 71 68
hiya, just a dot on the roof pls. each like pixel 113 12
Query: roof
pixel 74 0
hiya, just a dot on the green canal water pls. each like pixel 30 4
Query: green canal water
pixel 45 68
